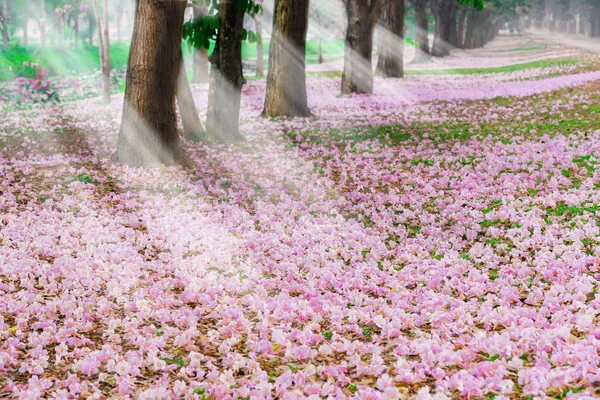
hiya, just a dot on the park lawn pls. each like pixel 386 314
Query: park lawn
pixel 85 59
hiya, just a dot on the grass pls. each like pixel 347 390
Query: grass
pixel 580 119
pixel 497 70
pixel 530 48
pixel 66 60
pixel 467 71
pixel 57 60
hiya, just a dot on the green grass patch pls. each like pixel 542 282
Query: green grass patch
pixel 524 48
pixel 58 60
pixel 496 70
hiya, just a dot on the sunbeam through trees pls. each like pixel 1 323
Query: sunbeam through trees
pixel 299 199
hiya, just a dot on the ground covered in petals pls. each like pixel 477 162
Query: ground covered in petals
pixel 439 239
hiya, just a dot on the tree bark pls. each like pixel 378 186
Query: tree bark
pixel 192 127
pixel 320 38
pixel 200 72
pixel 286 80
pixel 226 77
pixel 452 25
pixel 474 35
pixel 391 55
pixel 260 50
pixel 422 51
pixel 357 76
pixel 460 32
pixel 148 134
pixel 103 45
pixel 444 12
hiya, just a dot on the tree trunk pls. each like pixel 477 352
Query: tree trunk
pixel 76 29
pixel 200 72
pixel 391 55
pixel 422 31
pixel 452 27
pixel 148 134
pixel 474 34
pixel 286 81
pixel 5 35
pixel 25 31
pixel 102 45
pixel 357 76
pixel 444 12
pixel 460 33
pixel 192 127
pixel 106 69
pixel 260 51
pixel 226 77
pixel 320 38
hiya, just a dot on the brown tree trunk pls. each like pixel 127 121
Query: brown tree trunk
pixel 5 35
pixel 320 38
pixel 444 12
pixel 192 127
pixel 286 81
pixel 106 44
pixel 226 77
pixel 200 61
pixel 452 27
pixel 103 45
pixel 475 32
pixel 357 76
pixel 460 33
pixel 422 51
pixel 260 50
pixel 391 54
pixel 148 134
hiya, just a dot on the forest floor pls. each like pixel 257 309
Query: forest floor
pixel 438 239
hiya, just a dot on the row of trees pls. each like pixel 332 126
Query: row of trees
pixel 57 20
pixel 154 86
pixel 566 16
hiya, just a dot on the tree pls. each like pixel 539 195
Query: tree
pixel 200 73
pixel 422 31
pixel 192 127
pixel 223 24
pixel 5 20
pixel 391 54
pixel 104 48
pixel 226 76
pixel 444 13
pixel 148 134
pixel 286 81
pixel 357 76
pixel 260 51
pixel 317 14
pixel 460 29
